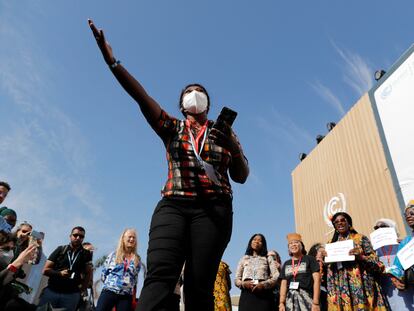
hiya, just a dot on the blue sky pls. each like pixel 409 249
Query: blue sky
pixel 77 151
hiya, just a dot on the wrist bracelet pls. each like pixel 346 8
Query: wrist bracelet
pixel 316 304
pixel 114 64
pixel 12 268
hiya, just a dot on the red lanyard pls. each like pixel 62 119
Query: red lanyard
pixel 196 141
pixel 295 269
pixel 126 264
pixel 387 254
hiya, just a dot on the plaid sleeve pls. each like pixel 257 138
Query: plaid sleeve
pixel 166 125
pixel 240 146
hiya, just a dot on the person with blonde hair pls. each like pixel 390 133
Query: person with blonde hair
pixel 120 274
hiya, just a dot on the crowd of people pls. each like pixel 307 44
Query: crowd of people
pixel 374 280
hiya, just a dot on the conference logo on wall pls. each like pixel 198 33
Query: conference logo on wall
pixel 334 205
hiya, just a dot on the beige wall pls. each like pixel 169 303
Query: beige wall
pixel 349 163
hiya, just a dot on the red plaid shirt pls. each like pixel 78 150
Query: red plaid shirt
pixel 185 175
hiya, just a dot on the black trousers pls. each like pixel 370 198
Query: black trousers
pixel 194 231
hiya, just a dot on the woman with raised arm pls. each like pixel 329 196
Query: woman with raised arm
pixel 193 220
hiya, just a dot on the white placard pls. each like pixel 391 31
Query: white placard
pixel 382 237
pixel 339 251
pixel 406 255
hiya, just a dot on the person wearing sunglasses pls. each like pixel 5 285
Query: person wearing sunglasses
pixel 353 285
pixel 398 297
pixel 64 268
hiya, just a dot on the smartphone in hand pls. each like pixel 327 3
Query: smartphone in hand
pixel 226 116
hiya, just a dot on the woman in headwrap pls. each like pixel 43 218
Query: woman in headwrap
pixel 300 287
pixel 9 216
pixel 398 300
pixel 351 284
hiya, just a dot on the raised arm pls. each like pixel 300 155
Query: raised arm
pixel 149 107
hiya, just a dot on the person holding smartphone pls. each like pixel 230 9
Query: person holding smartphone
pixel 193 220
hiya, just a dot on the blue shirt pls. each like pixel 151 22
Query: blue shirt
pixel 120 278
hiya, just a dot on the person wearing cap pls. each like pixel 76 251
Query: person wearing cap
pixel 256 276
pixel 399 298
pixel 405 276
pixel 352 285
pixel 300 287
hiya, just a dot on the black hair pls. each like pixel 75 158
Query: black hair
pixel 313 251
pixel 348 219
pixel 304 252
pixel 6 185
pixel 180 105
pixel 278 259
pixel 6 237
pixel 78 228
pixel 263 251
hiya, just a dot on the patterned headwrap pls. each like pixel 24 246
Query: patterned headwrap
pixel 410 204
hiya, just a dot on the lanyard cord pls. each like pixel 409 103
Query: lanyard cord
pixel 295 269
pixel 195 142
pixel 387 254
pixel 72 259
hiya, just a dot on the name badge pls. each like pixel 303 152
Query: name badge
pixel 126 279
pixel 294 285
pixel 210 172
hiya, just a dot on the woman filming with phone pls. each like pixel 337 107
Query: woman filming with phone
pixel 193 221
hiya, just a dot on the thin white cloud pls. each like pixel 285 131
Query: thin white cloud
pixel 358 74
pixel 283 128
pixel 328 96
pixel 43 153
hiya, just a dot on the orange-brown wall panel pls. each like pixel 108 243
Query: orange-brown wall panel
pixel 350 161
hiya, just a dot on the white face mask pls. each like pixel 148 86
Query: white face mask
pixel 7 256
pixel 195 102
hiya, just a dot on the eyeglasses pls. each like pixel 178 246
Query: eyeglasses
pixel 340 220
pixel 24 231
pixel 380 226
pixel 76 235
pixel 410 213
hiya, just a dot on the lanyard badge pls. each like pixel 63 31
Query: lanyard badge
pixel 208 168
pixel 295 270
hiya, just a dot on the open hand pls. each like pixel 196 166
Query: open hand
pixel 103 45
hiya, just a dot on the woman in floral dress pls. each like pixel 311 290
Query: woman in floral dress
pixel 222 286
pixel 351 284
